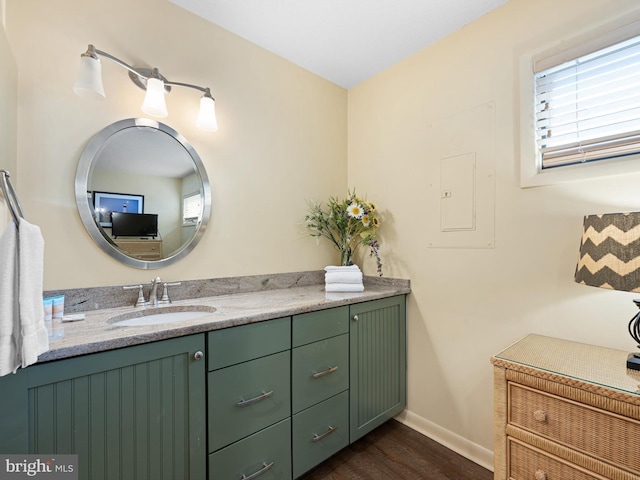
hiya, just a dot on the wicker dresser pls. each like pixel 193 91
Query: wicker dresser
pixel 565 411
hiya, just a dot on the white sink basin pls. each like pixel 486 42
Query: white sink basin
pixel 161 315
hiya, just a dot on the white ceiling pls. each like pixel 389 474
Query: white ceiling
pixel 344 41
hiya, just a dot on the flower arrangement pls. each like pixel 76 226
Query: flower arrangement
pixel 346 224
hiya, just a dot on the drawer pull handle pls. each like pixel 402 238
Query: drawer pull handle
pixel 266 466
pixel 540 475
pixel 244 403
pixel 540 416
pixel 325 372
pixel 317 438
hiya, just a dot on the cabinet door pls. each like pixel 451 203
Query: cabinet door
pixel 377 364
pixel 136 412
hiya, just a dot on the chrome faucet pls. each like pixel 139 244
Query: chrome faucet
pixel 153 293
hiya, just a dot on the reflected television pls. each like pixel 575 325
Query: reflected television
pixel 134 224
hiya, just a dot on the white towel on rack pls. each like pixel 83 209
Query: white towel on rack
pixel 23 335
pixel 35 339
pixel 8 300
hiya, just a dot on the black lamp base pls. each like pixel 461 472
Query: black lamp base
pixel 633 361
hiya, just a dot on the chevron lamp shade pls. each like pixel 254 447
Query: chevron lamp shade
pixel 610 252
pixel 610 258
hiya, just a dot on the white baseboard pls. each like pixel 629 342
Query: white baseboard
pixel 449 439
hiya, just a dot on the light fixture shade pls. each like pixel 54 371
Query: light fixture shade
pixel 207 115
pixel 610 252
pixel 154 103
pixel 89 80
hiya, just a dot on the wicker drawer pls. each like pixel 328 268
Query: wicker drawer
pixel 527 464
pixel 603 435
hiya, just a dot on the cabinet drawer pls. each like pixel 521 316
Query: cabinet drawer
pixel 266 450
pixel 240 344
pixel 319 371
pixel 229 418
pixel 313 326
pixel 319 432
pixel 143 249
pixel 603 435
pixel 527 463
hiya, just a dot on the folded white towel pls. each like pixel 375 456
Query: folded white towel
pixel 344 287
pixel 342 268
pixel 343 277
pixel 23 335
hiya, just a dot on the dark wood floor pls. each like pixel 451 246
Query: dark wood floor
pixel 395 451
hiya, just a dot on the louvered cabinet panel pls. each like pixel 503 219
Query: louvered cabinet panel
pixel 377 363
pixel 133 413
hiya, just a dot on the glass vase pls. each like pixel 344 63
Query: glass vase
pixel 346 256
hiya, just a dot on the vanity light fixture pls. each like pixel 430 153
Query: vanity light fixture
pixel 89 83
pixel 610 258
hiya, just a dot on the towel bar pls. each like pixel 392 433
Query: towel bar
pixel 10 195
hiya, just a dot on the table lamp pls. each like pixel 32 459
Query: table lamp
pixel 610 258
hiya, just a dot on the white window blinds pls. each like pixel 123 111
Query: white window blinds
pixel 191 208
pixel 588 109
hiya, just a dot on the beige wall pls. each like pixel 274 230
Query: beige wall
pixel 8 117
pixel 466 303
pixel 282 136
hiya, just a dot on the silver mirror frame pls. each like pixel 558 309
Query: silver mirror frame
pixel 86 165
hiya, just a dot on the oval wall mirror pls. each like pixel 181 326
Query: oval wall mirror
pixel 142 193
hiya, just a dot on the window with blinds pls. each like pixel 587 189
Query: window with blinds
pixel 191 209
pixel 588 109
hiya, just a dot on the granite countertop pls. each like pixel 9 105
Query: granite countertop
pixel 96 334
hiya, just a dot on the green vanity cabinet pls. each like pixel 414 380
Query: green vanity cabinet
pixel 272 399
pixel 320 357
pixel 320 386
pixel 135 412
pixel 378 342
pixel 249 401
